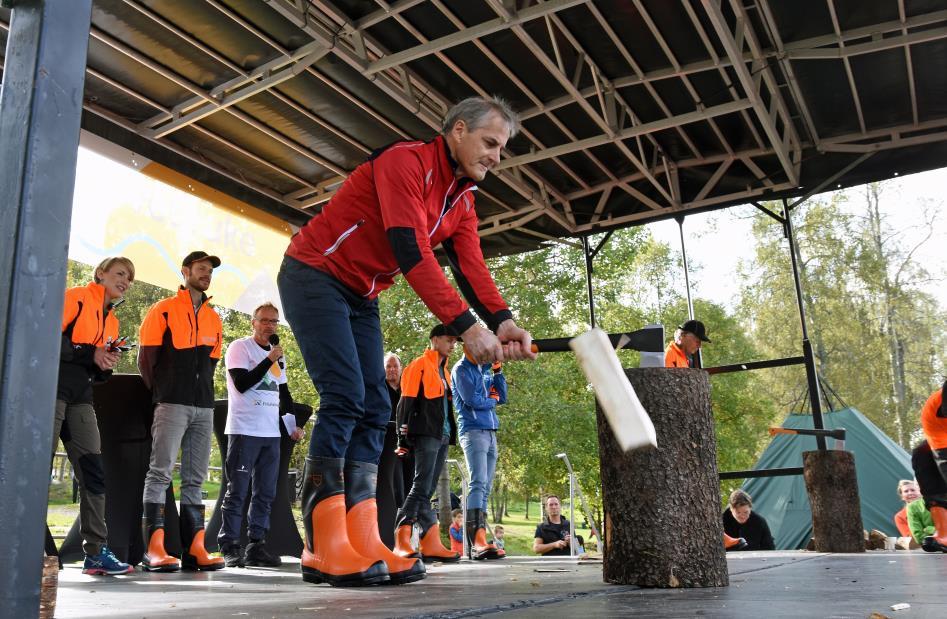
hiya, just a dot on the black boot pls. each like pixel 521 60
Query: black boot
pixel 259 556
pixel 233 555
pixel 156 558
pixel 328 555
pixel 193 554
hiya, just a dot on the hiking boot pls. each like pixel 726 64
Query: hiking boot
pixel 259 556
pixel 233 555
pixel 105 563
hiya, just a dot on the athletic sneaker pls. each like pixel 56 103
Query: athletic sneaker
pixel 105 563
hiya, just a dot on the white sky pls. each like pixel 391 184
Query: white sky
pixel 717 241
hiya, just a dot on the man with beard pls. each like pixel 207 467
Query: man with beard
pixel 180 344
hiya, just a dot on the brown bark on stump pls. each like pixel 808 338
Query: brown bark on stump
pixel 833 495
pixel 662 506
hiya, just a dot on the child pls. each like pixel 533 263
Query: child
pixel 498 537
pixel 457 531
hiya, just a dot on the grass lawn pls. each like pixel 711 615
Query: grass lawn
pixel 62 511
pixel 520 531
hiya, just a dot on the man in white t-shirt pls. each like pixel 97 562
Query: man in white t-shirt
pixel 257 398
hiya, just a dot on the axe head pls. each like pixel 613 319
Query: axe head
pixel 627 417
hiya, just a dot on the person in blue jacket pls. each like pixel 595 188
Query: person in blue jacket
pixel 477 390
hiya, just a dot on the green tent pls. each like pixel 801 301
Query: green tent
pixel 879 464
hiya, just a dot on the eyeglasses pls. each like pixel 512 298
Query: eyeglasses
pixel 268 321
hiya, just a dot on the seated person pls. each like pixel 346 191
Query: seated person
pixel 739 521
pixel 920 522
pixel 908 491
pixel 456 531
pixel 552 536
pixel 498 540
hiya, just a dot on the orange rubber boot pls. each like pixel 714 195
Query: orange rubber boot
pixel 328 556
pixel 477 536
pixel 156 558
pixel 194 555
pixel 431 547
pixel 361 520
pixel 403 546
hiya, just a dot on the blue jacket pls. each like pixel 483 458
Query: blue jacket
pixel 476 410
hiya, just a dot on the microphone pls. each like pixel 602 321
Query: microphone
pixel 274 341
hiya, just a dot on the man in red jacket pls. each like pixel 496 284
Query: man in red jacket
pixel 387 218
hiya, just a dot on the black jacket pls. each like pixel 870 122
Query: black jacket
pixel 421 407
pixel 179 350
pixel 755 531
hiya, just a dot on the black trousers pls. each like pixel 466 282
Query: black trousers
pixel 929 476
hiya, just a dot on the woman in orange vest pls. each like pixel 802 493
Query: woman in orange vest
pixel 930 468
pixel 90 349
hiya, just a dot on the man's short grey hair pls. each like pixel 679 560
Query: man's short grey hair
pixel 475 111
pixel 392 355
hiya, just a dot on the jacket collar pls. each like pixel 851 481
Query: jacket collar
pixel 448 163
pixel 185 297
pixel 432 357
pixel 97 291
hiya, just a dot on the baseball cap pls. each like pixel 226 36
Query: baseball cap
pixel 194 256
pixel 697 328
pixel 442 330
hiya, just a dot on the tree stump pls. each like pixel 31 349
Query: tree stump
pixel 662 506
pixel 833 494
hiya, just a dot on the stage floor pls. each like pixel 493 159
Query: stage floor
pixel 764 584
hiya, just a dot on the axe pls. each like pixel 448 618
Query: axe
pixel 595 352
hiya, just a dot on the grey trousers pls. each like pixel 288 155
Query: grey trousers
pixel 77 426
pixel 188 428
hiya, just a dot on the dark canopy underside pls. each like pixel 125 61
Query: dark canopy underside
pixel 634 110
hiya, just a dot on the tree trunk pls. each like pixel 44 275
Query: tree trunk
pixel 662 506
pixel 833 495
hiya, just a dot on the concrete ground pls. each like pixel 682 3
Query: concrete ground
pixel 762 584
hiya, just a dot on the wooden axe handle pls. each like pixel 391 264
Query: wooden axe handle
pixel 837 433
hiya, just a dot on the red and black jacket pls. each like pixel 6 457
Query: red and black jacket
pixel 421 406
pixel 87 324
pixel 178 350
pixel 388 217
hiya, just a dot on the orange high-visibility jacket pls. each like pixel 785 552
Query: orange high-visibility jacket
pixel 674 357
pixel 935 426
pixel 87 324
pixel 179 350
pixel 421 407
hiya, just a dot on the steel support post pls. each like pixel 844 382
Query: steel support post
pixel 40 111
pixel 687 285
pixel 587 253
pixel 815 397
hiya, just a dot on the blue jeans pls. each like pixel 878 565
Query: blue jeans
pixel 429 456
pixel 480 451
pixel 339 335
pixel 256 458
